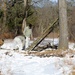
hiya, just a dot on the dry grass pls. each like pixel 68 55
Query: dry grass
pixel 73 71
pixel 47 53
pixel 8 35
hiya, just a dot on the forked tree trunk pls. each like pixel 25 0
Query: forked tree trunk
pixel 63 39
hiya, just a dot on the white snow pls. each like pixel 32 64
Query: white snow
pixel 17 63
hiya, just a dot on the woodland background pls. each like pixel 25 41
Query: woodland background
pixel 39 13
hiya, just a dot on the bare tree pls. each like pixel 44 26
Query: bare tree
pixel 63 39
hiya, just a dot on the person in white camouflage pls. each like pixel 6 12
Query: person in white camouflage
pixel 28 35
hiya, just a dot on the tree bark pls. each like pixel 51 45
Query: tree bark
pixel 25 8
pixel 4 16
pixel 63 39
pixel 24 20
pixel 25 1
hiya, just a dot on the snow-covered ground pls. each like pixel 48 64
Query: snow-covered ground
pixel 17 63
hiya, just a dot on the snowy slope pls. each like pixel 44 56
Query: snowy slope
pixel 13 63
pixel 16 63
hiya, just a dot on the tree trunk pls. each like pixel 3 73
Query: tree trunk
pixel 24 20
pixel 4 16
pixel 63 39
pixel 25 1
pixel 25 8
pixel 23 24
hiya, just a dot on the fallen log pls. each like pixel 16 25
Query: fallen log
pixel 39 48
pixel 39 39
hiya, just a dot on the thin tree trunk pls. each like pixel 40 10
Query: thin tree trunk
pixel 4 17
pixel 63 39
pixel 24 20
pixel 25 1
